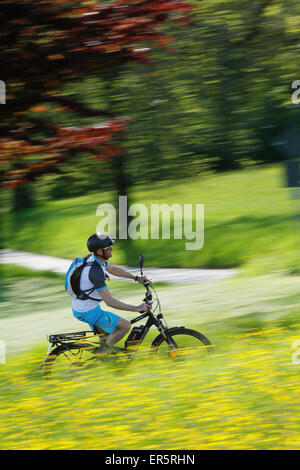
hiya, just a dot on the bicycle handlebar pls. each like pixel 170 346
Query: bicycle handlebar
pixel 147 284
pixel 148 296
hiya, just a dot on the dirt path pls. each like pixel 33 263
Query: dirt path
pixel 177 276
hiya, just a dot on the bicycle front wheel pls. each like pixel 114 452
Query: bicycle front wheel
pixel 181 343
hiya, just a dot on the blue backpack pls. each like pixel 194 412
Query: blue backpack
pixel 72 279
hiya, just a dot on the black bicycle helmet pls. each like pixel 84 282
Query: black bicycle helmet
pixel 99 241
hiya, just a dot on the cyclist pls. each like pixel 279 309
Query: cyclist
pixel 93 280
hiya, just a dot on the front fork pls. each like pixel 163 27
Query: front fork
pixel 163 331
pixel 170 342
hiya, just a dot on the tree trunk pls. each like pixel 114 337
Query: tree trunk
pixel 121 178
pixel 23 196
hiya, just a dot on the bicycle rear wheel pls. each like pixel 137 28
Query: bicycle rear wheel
pixel 183 343
pixel 69 358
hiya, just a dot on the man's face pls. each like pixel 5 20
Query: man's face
pixel 107 251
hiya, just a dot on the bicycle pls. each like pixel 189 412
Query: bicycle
pixel 79 349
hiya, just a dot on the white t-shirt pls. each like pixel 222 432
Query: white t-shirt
pixel 91 277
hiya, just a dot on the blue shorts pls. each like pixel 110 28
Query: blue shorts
pixel 107 321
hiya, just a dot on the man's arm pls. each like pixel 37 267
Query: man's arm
pixel 114 303
pixel 116 271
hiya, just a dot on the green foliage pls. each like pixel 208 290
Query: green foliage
pixel 217 98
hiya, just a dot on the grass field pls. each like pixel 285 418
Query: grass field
pixel 244 396
pixel 250 222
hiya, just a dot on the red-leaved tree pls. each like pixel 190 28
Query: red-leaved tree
pixel 47 44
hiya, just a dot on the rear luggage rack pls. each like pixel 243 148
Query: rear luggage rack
pixel 67 336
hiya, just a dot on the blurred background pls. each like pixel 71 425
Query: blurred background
pixel 169 102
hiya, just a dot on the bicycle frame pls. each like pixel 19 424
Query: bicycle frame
pixel 153 320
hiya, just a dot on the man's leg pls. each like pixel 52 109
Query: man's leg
pixel 123 327
pixel 102 335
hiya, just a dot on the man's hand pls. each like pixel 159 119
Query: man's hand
pixel 142 279
pixel 142 308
